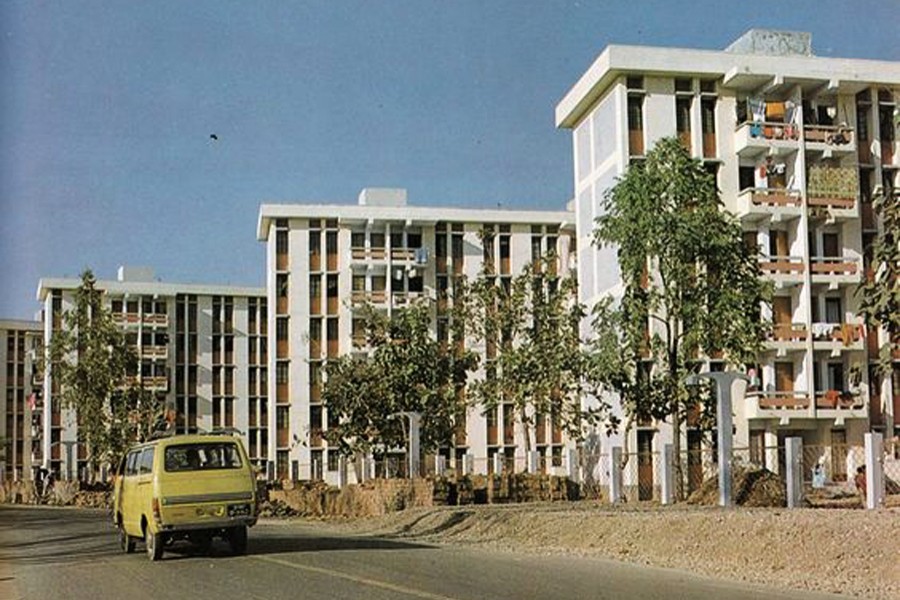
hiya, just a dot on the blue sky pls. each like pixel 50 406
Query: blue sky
pixel 106 110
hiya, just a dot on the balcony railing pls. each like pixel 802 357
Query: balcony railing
pixel 834 265
pixel 837 136
pixel 781 265
pixel 789 332
pixel 155 352
pixel 158 319
pixel 836 399
pixel 845 333
pixel 775 197
pixel 360 296
pixel 783 400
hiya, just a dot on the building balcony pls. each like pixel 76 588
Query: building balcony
pixel 776 204
pixel 834 208
pixel 779 400
pixel 830 139
pixel 155 352
pixel 156 319
pixel 358 297
pixel 754 138
pixel 361 253
pixel 838 400
pixel 126 318
pixel 783 270
pixel 835 270
pixel 838 336
pixel 786 337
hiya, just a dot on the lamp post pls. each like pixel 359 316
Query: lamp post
pixel 415 420
pixel 723 383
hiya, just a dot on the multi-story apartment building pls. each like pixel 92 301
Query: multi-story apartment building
pixel 203 350
pixel 798 144
pixel 21 402
pixel 324 260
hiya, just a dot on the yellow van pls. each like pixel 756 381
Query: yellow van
pixel 193 487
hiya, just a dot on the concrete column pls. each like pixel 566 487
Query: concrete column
pixel 498 463
pixel 572 467
pixel 468 464
pixel 667 475
pixel 874 471
pixel 440 465
pixel 531 458
pixel 342 471
pixel 414 447
pixel 615 475
pixel 794 471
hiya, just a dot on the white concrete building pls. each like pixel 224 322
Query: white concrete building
pixel 799 144
pixel 202 348
pixel 21 402
pixel 323 259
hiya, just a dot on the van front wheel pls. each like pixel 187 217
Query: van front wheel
pixel 237 538
pixel 154 543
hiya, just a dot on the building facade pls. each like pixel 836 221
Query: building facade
pixel 799 145
pixel 20 343
pixel 323 261
pixel 203 350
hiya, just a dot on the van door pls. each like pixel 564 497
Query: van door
pixel 144 486
pixel 127 494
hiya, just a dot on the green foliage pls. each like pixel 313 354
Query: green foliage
pixel 880 303
pixel 529 328
pixel 91 360
pixel 406 370
pixel 684 267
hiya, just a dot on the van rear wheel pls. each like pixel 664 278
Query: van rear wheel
pixel 154 543
pixel 237 539
pixel 126 542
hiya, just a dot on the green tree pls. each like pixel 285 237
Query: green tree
pixel 880 303
pixel 91 360
pixel 407 369
pixel 684 268
pixel 534 361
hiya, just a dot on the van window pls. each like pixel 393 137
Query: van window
pixel 131 464
pixel 146 461
pixel 203 456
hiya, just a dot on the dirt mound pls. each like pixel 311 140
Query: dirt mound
pixel 751 487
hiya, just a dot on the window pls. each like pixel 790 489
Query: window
pixel 281 242
pixel 131 464
pixel 281 284
pixel 683 85
pixel 281 373
pixel 146 464
pixel 683 115
pixel 202 457
pixel 636 113
pixel 281 330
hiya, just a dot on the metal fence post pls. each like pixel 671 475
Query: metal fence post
pixel 874 470
pixel 794 471
pixel 667 475
pixel 342 471
pixel 615 475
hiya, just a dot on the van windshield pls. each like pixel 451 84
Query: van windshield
pixel 203 457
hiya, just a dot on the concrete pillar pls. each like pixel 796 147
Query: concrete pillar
pixel 498 463
pixel 440 465
pixel 667 475
pixel 415 420
pixel 874 471
pixel 615 475
pixel 531 458
pixel 771 450
pixel 468 464
pixel 572 467
pixel 342 471
pixel 794 471
pixel 370 468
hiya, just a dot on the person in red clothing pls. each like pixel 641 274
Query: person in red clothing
pixel 860 481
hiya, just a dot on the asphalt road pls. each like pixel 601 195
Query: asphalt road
pixel 51 553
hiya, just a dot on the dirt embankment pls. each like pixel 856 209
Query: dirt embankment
pixel 851 552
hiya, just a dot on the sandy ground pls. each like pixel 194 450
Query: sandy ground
pixel 853 552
